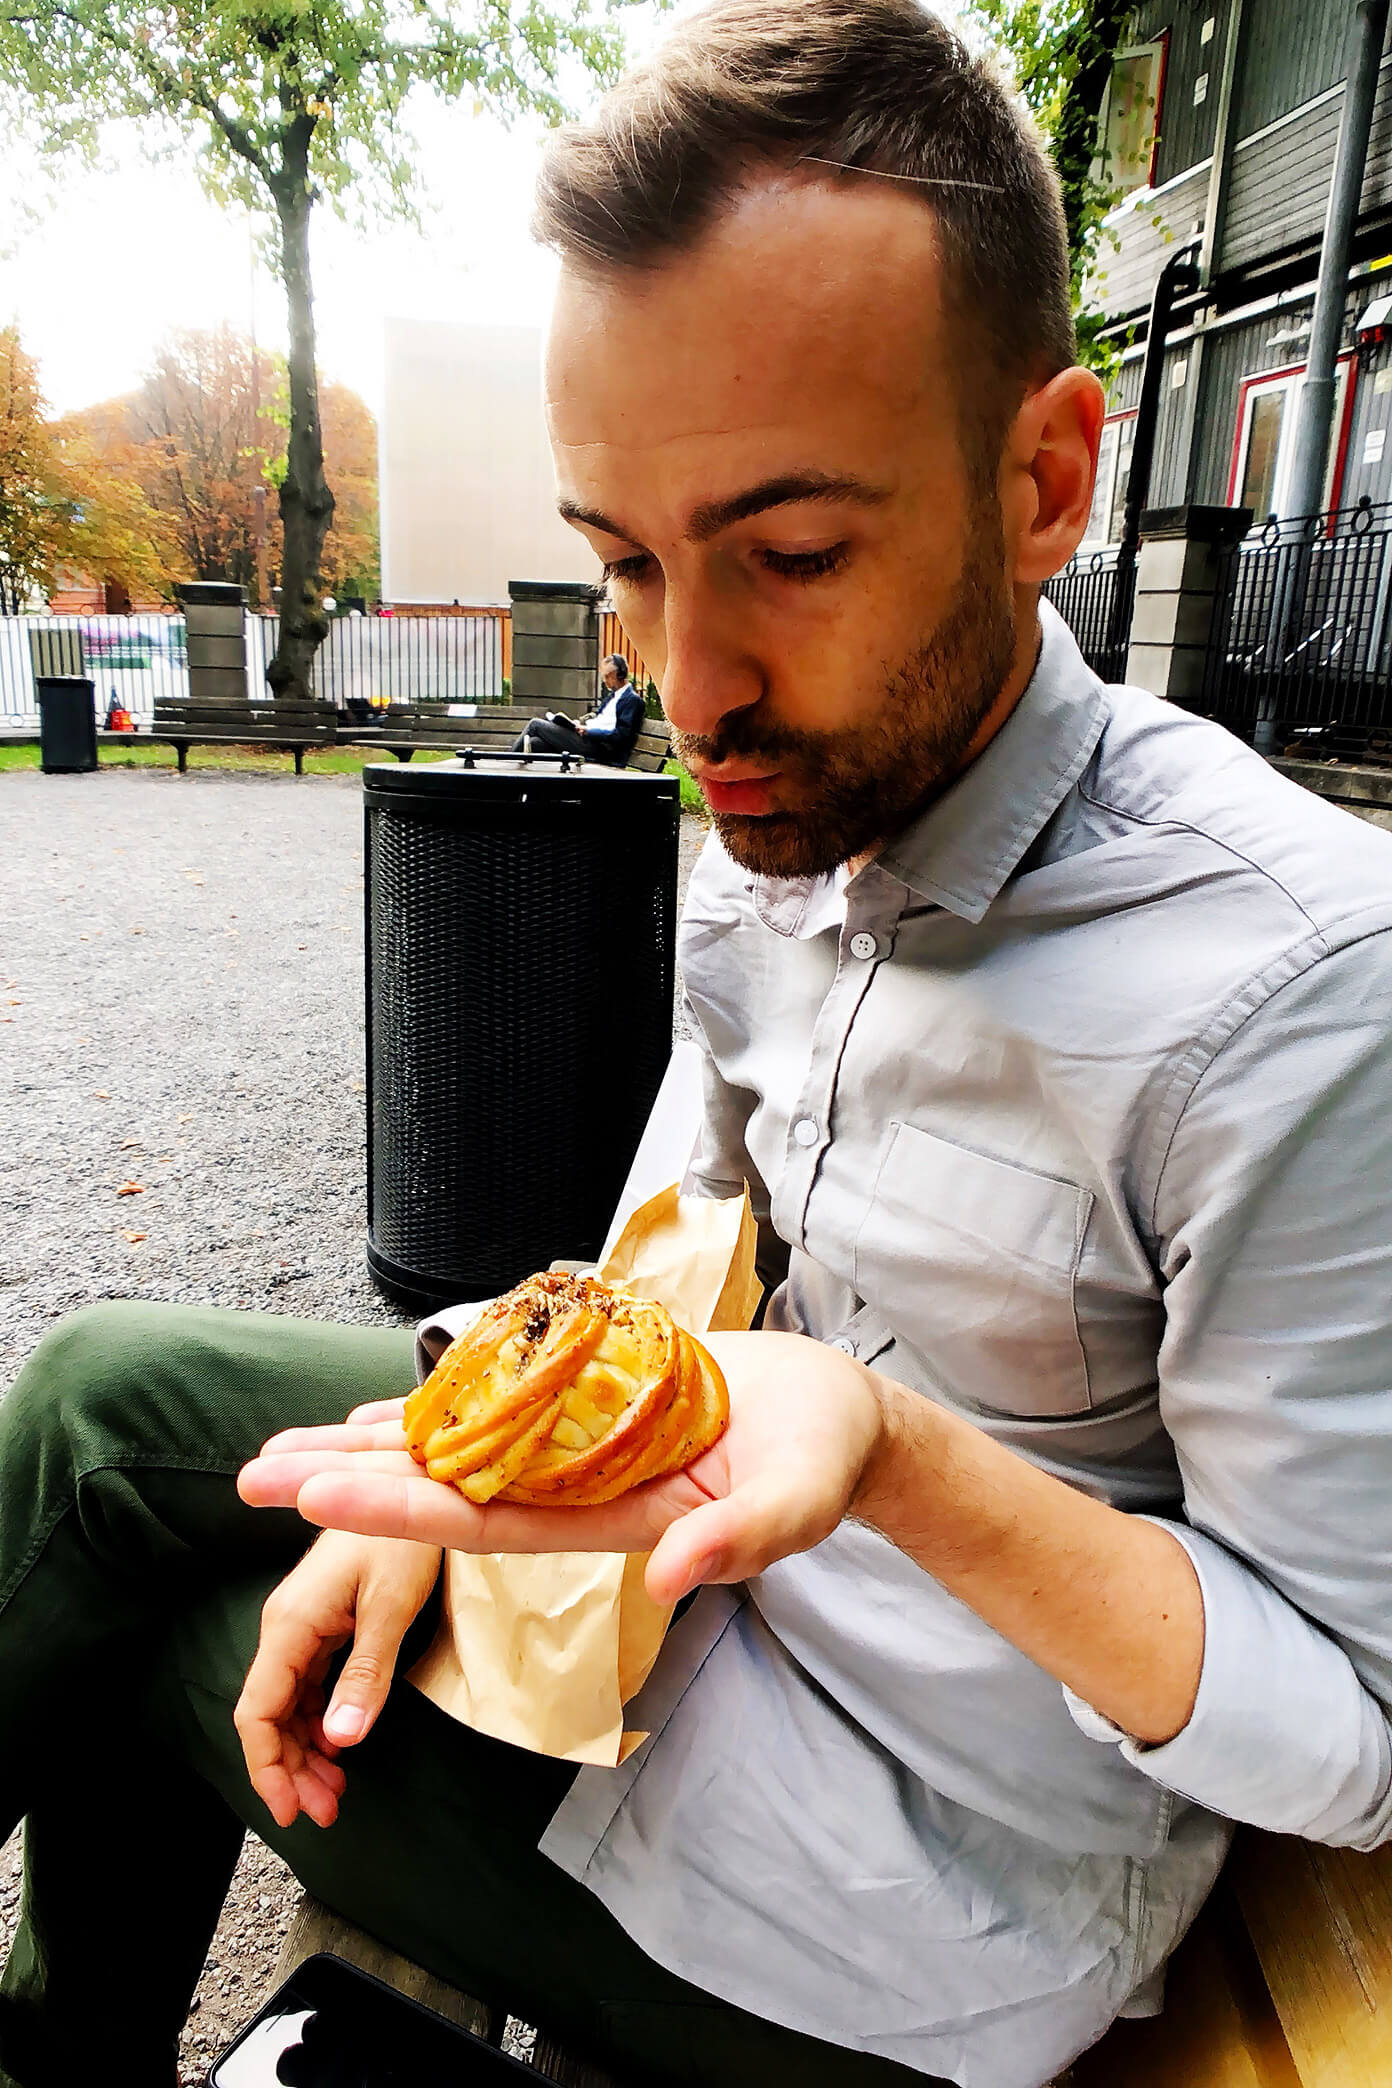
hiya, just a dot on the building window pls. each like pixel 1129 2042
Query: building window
pixel 1264 447
pixel 1130 124
pixel 1113 477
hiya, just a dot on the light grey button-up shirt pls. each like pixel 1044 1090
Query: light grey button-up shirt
pixel 1072 1111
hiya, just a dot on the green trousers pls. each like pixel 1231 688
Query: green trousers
pixel 131 1583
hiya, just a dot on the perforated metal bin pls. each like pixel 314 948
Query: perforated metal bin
pixel 521 925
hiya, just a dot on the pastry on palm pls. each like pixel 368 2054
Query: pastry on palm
pixel 566 1393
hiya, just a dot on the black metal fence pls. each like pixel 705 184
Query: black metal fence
pixel 1095 594
pixel 1301 652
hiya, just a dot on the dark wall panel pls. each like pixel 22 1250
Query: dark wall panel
pixel 1280 188
pixel 1186 127
pixel 1295 49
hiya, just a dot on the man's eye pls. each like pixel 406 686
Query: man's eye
pixel 806 565
pixel 635 567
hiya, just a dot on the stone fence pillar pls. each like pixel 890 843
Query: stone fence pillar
pixel 215 618
pixel 1177 592
pixel 555 645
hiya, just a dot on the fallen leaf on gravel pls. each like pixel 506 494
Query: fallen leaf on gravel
pixel 134 1237
pixel 127 1143
pixel 187 1118
pixel 137 931
pixel 131 1189
pixel 103 1094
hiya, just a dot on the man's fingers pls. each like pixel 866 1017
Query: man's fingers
pixel 377 1503
pixel 273 1480
pixel 379 1410
pixel 731 1539
pixel 353 1434
pixel 366 1675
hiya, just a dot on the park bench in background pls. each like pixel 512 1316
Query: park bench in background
pixel 490 731
pixel 185 723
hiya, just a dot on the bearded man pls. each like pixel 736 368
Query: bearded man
pixel 1051 1029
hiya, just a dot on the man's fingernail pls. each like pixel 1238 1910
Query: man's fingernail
pixel 700 1571
pixel 345 1723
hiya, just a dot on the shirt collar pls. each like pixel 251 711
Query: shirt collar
pixel 960 852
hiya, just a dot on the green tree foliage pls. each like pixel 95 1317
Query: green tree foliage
pixel 1062 53
pixel 292 102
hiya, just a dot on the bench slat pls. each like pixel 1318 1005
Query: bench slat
pixel 1321 1923
pixel 1219 2028
pixel 314 1929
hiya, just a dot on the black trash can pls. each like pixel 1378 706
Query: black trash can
pixel 67 723
pixel 521 926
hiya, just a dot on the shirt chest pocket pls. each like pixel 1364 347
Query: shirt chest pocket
pixel 973 1262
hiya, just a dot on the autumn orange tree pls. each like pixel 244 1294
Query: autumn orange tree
pixel 199 450
pixel 292 103
pixel 30 525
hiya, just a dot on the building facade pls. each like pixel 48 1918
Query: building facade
pixel 1221 127
pixel 467 491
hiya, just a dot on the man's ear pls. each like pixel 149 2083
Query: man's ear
pixel 1047 471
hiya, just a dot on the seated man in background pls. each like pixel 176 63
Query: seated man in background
pixel 1052 1032
pixel 607 736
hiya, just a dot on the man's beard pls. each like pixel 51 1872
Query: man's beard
pixel 856 787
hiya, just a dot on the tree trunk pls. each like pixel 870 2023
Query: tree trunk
pixel 306 504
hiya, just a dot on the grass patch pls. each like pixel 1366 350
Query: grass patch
pixel 269 761
pixel 691 798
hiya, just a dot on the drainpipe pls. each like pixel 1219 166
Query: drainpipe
pixel 1178 276
pixel 1214 225
pixel 1306 491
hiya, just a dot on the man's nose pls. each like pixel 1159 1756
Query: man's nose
pixel 707 674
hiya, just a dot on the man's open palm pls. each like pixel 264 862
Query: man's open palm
pixel 803 1422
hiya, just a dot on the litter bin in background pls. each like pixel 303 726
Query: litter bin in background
pixel 67 723
pixel 521 929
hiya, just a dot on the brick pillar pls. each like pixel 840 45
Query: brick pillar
pixel 215 616
pixel 1177 576
pixel 555 645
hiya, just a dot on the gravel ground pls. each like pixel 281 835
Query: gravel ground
pixel 181 993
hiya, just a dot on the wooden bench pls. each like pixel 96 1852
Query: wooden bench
pixel 1284 1981
pixel 314 1929
pixel 296 727
pixel 492 731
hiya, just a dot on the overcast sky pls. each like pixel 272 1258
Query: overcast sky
pixel 97 268
pixel 116 260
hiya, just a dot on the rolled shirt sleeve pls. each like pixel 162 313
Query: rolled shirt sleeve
pixel 1274 1236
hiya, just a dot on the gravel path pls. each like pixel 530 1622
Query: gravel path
pixel 181 999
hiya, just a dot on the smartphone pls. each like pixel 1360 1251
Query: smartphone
pixel 332 2026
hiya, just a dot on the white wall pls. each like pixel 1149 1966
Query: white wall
pixel 468 501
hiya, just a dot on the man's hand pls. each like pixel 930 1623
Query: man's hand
pixel 1106 1602
pixel 364 1589
pixel 804 1420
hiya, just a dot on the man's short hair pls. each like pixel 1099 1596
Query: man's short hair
pixel 618 663
pixel 877 85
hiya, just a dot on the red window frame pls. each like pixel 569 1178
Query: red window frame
pixel 1349 361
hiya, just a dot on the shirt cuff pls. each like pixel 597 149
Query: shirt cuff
pixel 1283 1733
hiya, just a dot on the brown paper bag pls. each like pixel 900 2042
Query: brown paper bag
pixel 544 1650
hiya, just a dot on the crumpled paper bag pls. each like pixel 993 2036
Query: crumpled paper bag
pixel 544 1650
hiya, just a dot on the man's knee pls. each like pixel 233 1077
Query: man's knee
pixel 100 1367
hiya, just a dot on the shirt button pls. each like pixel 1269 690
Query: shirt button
pixel 844 1343
pixel 864 946
pixel 805 1131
